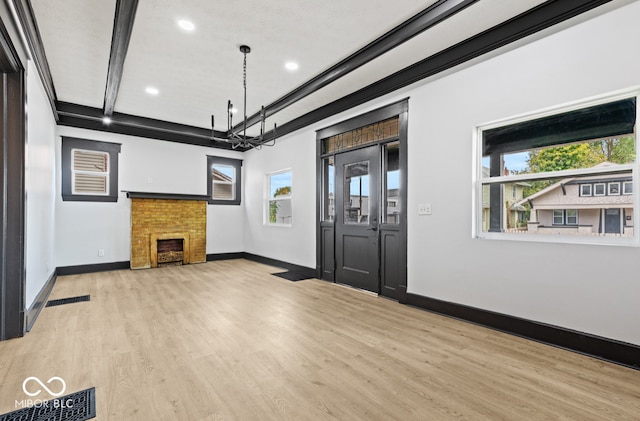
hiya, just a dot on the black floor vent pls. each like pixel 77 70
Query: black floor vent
pixel 69 300
pixel 77 406
pixel 292 276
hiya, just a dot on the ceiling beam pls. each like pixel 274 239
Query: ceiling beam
pixel 122 28
pixel 528 23
pixel 419 23
pixel 91 118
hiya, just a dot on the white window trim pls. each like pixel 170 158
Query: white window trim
pixel 268 199
pixel 566 217
pixel 609 188
pixel 590 190
pixel 479 181
pixel 624 187
pixel 561 216
pixel 604 189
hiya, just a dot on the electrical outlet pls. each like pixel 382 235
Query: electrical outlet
pixel 424 209
pixel 101 253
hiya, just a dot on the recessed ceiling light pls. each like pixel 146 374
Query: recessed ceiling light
pixel 106 120
pixel 151 90
pixel 291 66
pixel 186 25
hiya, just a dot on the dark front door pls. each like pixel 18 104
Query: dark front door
pixel 357 218
pixel 612 221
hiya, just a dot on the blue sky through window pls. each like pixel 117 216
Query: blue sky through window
pixel 277 181
pixel 224 169
pixel 513 162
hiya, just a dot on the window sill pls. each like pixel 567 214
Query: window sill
pixel 607 240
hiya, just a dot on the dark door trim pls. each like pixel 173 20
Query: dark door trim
pixel 325 230
pixel 12 189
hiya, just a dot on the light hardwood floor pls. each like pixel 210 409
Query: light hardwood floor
pixel 228 341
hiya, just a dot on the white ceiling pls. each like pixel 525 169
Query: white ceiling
pixel 196 73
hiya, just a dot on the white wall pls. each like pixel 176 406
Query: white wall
pixel 145 165
pixel 40 187
pixel 294 244
pixel 589 288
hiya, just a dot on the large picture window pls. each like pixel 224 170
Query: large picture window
pixel 224 180
pixel 556 175
pixel 279 195
pixel 89 170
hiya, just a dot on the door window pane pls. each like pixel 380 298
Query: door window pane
pixel 328 189
pixel 391 199
pixel 356 193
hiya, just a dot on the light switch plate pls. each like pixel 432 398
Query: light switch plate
pixel 424 209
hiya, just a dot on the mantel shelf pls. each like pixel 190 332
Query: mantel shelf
pixel 166 196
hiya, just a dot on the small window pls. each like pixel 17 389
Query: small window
pixel 627 187
pixel 224 177
pixel 599 189
pixel 585 189
pixel 614 189
pixel 89 170
pixel 558 217
pixel 572 216
pixel 278 203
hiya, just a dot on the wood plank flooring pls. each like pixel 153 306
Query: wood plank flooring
pixel 228 341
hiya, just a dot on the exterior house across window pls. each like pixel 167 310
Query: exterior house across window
pixel 224 180
pixel 576 166
pixel 278 206
pixel 89 170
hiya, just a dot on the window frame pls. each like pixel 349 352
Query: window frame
pixel 561 212
pixel 609 185
pixel 268 199
pixel 625 191
pixel 595 189
pixel 69 144
pixel 237 182
pixel 566 216
pixel 496 182
pixel 582 193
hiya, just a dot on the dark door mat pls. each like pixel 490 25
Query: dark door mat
pixel 292 276
pixel 69 300
pixel 77 406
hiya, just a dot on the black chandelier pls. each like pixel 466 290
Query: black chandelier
pixel 238 138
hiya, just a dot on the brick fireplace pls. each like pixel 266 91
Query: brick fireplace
pixel 167 229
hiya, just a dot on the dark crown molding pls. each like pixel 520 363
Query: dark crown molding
pixel 412 27
pixel 528 23
pixel 32 34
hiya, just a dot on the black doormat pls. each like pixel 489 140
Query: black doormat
pixel 69 300
pixel 292 276
pixel 77 406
